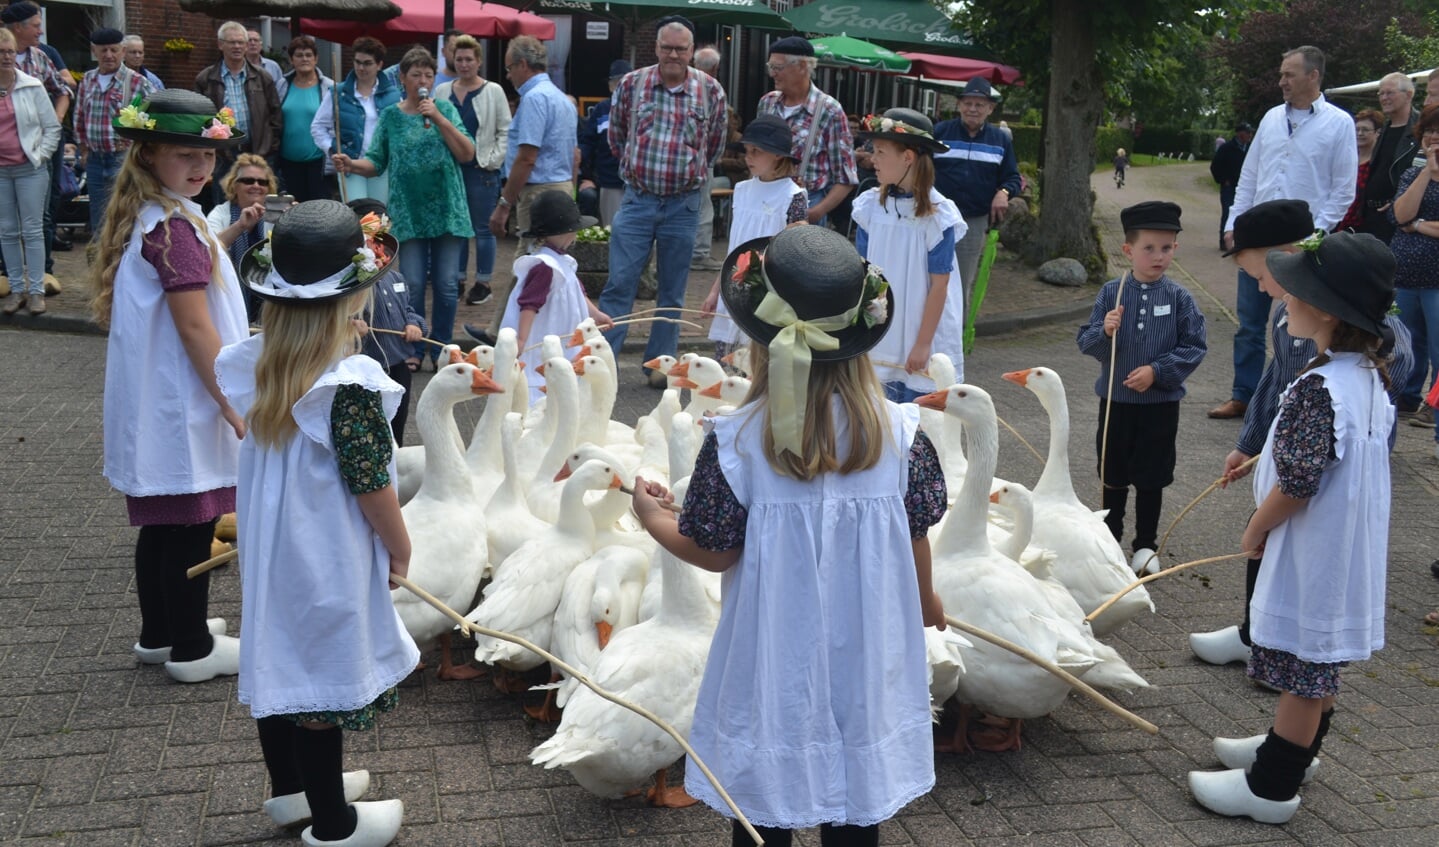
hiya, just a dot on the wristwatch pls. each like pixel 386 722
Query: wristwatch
pixel 503 201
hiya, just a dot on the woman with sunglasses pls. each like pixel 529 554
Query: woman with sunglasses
pixel 239 221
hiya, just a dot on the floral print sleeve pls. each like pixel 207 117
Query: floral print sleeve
pixel 361 435
pixel 1304 437
pixel 926 498
pixel 798 208
pixel 713 518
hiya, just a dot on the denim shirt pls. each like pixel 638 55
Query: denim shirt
pixel 544 119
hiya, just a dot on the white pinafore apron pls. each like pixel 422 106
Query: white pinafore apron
pixel 563 310
pixel 760 209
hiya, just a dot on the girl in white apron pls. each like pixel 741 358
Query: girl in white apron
pixel 168 293
pixel 548 298
pixel 909 229
pixel 1322 523
pixel 814 706
pixel 763 205
pixel 319 521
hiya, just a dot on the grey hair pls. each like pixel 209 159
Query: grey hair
pixel 675 27
pixel 529 50
pixel 1404 83
pixel 132 39
pixel 1313 59
pixel 707 59
pixel 231 26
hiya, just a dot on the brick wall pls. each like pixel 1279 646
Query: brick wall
pixel 159 20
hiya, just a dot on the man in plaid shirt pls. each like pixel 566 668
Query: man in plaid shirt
pixel 667 126
pixel 105 89
pixel 822 141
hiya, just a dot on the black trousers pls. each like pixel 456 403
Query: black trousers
pixel 173 607
pixel 305 180
pixel 401 373
pixel 830 835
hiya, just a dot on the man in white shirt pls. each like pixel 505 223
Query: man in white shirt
pixel 1303 150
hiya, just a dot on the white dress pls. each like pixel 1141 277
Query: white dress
pixel 563 310
pixel 1320 593
pixel 814 707
pixel 164 433
pixel 899 243
pixel 759 209
pixel 321 633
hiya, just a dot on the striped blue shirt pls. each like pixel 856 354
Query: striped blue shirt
pixel 1162 327
pixel 1290 356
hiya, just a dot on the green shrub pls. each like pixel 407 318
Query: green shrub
pixel 1156 140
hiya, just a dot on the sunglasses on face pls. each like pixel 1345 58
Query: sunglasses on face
pixel 252 180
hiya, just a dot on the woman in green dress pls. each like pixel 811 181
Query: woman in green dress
pixel 420 142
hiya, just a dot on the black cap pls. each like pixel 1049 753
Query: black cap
pixel 792 45
pixel 106 35
pixel 676 19
pixel 1158 215
pixel 314 242
pixel 979 87
pixel 619 67
pixel 770 133
pixel 1272 224
pixel 17 12
pixel 1244 126
pixel 1349 275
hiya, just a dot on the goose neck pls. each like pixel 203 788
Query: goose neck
pixel 1055 479
pixel 445 468
pixel 965 528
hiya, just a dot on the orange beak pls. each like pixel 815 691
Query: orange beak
pixel 994 497
pixel 585 350
pixel 680 369
pixel 579 366
pixel 1020 378
pixel 654 364
pixel 681 382
pixel 616 482
pixel 935 400
pixel 521 364
pixel 456 356
pixel 728 359
pixel 604 631
pixel 483 383
pixel 576 339
pixel 540 369
pixel 712 392
pixel 544 389
pixel 564 473
pixel 473 357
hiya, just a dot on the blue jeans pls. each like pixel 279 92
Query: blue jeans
pixel 897 392
pixel 24 191
pixel 1253 308
pixel 482 189
pixel 1419 310
pixel 669 224
pixel 436 262
pixel 100 171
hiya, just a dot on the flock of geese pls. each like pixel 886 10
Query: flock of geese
pixel 534 510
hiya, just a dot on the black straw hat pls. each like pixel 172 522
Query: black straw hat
pixel 819 274
pixel 770 133
pixel 554 213
pixel 177 116
pixel 316 253
pixel 1349 275
pixel 903 126
pixel 1272 224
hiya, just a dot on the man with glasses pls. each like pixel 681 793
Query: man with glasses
pixel 1228 162
pixel 135 60
pixel 250 93
pixel 255 55
pixel 667 126
pixel 1393 154
pixel 822 142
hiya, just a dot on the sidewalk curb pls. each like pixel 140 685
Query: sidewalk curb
pixel 52 323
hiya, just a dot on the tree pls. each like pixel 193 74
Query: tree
pixel 1411 49
pixel 1084 46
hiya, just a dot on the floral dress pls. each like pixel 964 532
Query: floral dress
pixel 427 192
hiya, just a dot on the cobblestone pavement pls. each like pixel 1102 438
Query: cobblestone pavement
pixel 96 750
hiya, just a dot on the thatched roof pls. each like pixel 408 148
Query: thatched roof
pixel 367 11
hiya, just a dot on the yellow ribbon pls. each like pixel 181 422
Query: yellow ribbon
pixel 789 360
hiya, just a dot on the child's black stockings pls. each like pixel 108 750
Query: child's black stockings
pixel 173 607
pixel 320 755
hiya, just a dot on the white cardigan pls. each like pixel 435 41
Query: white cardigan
pixel 492 111
pixel 35 119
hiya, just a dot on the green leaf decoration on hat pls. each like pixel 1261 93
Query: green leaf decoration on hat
pixel 1311 244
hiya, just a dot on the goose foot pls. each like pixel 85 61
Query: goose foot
pixel 668 797
pixel 451 671
pixel 546 712
pixel 958 740
pixel 508 681
pixel 998 739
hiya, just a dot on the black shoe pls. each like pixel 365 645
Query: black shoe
pixel 479 335
pixel 479 293
pixel 1434 568
pixel 61 244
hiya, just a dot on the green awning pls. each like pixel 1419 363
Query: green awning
pixel 886 21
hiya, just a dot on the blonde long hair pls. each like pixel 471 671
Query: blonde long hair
pixel 923 172
pixel 135 185
pixel 301 343
pixel 859 391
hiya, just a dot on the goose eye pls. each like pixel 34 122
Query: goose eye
pixel 962 394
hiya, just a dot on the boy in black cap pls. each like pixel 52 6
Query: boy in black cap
pixel 1150 329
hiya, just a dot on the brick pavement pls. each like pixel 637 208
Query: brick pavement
pixel 96 750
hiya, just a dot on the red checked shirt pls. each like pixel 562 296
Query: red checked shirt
pixel 95 108
pixel 667 141
pixel 831 160
pixel 35 63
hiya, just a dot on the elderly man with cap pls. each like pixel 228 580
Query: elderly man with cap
pixel 599 167
pixel 103 92
pixel 822 142
pixel 979 173
pixel 135 60
pixel 23 19
pixel 667 126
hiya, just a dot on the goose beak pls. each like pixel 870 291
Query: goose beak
pixel 456 356
pixel 1020 378
pixel 483 383
pixel 579 364
pixel 728 359
pixel 713 392
pixel 654 364
pixel 576 339
pixel 681 382
pixel 936 400
pixel 616 482
pixel 681 369
pixel 604 631
pixel 564 473
pixel 521 364
pixel 540 369
pixel 544 390
pixel 994 497
pixel 473 357
pixel 585 350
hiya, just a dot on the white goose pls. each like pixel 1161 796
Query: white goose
pixel 698 374
pixel 946 432
pixel 664 412
pixel 732 391
pixel 525 593
pixel 484 457
pixel 410 461
pixel 509 520
pixel 563 404
pixel 596 426
pixel 739 360
pixel 445 520
pixel 601 597
pixel 1090 562
pixel 989 590
pixel 656 664
pixel 664 364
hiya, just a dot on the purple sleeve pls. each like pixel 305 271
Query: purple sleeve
pixel 713 518
pixel 537 288
pixel 798 208
pixel 178 254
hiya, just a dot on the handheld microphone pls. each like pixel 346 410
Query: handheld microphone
pixel 425 95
